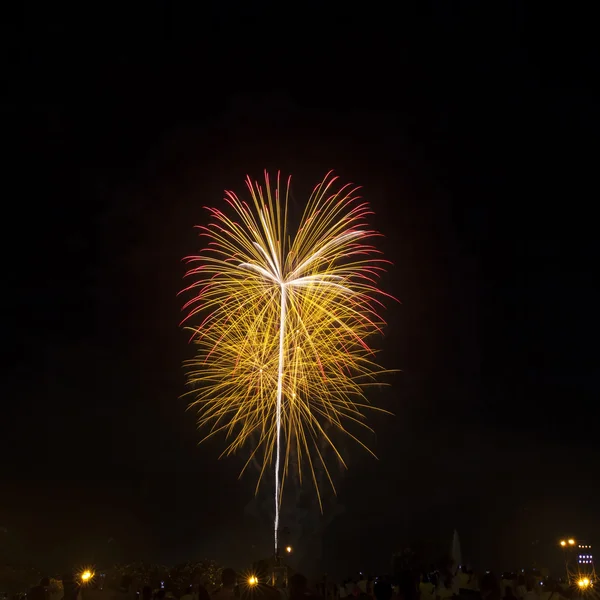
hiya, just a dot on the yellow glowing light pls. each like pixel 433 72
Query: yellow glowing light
pixel 289 549
pixel 584 582
pixel 571 542
pixel 86 576
pixel 252 580
pixel 563 543
pixel 283 341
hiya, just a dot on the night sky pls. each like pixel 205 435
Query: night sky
pixel 473 134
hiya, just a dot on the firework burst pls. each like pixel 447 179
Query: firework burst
pixel 284 322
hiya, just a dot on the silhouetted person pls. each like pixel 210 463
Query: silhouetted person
pixel 40 591
pixel 203 593
pixel 553 591
pixel 530 594
pixel 70 587
pixel 227 589
pixel 490 588
pixel 444 587
pixel 124 591
pixel 408 586
pixel 382 590
pixel 509 594
pixel 521 587
pixel 298 587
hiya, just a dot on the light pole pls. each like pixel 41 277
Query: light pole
pixel 567 544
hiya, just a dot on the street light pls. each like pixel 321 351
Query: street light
pixel 86 576
pixel 583 583
pixel 288 549
pixel 564 544
pixel 252 580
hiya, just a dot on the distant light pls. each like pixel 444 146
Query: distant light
pixel 86 576
pixel 571 542
pixel 289 549
pixel 563 543
pixel 252 580
pixel 583 582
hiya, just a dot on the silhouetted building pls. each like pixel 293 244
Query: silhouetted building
pixel 585 557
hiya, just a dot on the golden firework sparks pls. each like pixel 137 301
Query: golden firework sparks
pixel 284 325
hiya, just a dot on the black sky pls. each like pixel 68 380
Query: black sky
pixel 473 133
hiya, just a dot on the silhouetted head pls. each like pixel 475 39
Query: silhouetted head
pixel 298 584
pixel 382 590
pixel 70 587
pixel 203 593
pixel 489 583
pixel 37 593
pixel 228 578
pixel 408 585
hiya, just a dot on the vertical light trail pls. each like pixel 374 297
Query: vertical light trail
pixel 282 316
